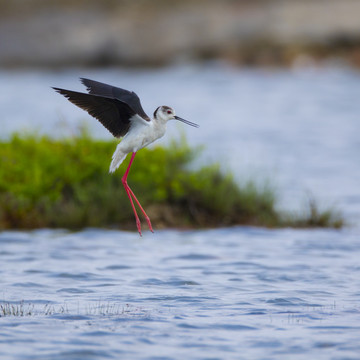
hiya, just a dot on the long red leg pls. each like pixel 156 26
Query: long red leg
pixel 130 194
pixel 142 210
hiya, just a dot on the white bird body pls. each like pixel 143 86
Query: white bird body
pixel 141 134
pixel 120 111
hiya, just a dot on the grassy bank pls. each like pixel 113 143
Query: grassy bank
pixel 65 183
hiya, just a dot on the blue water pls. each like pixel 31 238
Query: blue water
pixel 235 293
pixel 239 293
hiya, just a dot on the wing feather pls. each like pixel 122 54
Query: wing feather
pixel 112 113
pixel 128 97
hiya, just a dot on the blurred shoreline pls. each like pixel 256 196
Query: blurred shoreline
pixel 37 33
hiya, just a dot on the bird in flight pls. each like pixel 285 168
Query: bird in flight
pixel 120 111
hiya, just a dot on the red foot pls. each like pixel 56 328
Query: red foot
pixel 138 225
pixel 149 224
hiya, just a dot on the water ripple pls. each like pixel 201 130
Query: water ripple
pixel 205 296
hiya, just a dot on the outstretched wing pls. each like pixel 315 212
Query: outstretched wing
pixel 114 114
pixel 128 97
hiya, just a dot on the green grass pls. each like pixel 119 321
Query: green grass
pixel 65 183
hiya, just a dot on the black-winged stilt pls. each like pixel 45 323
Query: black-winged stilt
pixel 120 111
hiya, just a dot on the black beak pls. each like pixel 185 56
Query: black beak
pixel 186 121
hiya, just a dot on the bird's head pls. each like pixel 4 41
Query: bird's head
pixel 165 113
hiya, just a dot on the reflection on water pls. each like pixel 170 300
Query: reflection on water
pixel 227 293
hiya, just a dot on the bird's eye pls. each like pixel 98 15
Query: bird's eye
pixel 169 111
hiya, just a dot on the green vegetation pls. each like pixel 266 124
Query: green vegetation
pixel 65 183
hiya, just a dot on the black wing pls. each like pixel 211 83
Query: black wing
pixel 128 97
pixel 112 113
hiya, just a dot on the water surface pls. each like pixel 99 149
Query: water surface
pixel 235 293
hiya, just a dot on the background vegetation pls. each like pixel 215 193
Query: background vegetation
pixel 65 183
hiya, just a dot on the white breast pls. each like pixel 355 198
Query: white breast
pixel 141 134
